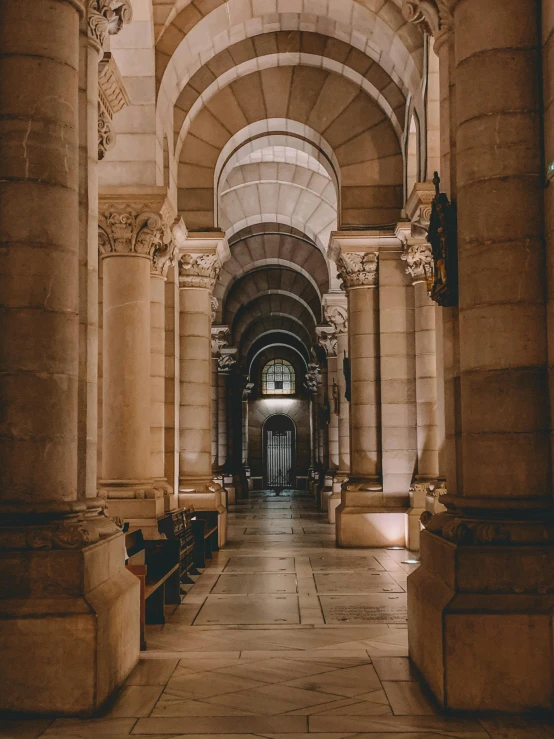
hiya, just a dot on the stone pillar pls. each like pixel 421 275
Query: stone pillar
pixel 335 309
pixel 419 260
pixel 198 271
pixel 310 384
pixel 327 339
pixel 226 364
pixel 162 261
pixel 486 578
pixel 133 231
pixel 53 572
pixel 365 517
pixel 171 442
pixel 220 337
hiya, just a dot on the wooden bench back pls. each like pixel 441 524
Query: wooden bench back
pixel 134 542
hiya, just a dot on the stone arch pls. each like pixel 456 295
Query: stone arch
pixel 364 141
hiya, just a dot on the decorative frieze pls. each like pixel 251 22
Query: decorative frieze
pixel 163 258
pixel 107 17
pixel 112 97
pixel 327 338
pixel 214 304
pixel 419 264
pixel 227 360
pixel 199 270
pixel 358 269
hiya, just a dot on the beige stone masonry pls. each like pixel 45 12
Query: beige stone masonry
pixel 60 571
pixel 134 235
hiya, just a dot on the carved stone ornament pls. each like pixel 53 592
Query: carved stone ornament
pixel 107 17
pixel 443 240
pixel 225 363
pixel 327 338
pixel 433 16
pixel 199 270
pixel 214 306
pixel 68 533
pixel 112 97
pixel 338 316
pixel 419 260
pixel 130 228
pixel 358 269
pixel 312 378
pixel 220 338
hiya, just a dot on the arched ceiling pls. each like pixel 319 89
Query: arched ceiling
pixel 196 31
pixel 278 347
pixel 267 326
pixel 363 139
pixel 271 280
pixel 257 189
pixel 264 308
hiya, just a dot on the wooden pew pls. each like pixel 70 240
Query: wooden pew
pixel 205 530
pixel 156 564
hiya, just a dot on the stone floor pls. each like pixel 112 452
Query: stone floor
pixel 283 637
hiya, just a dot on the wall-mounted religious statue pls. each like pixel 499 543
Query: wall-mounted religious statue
pixel 336 398
pixel 443 239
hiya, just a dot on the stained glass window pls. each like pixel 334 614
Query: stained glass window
pixel 278 378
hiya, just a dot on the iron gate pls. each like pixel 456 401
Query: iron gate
pixel 279 453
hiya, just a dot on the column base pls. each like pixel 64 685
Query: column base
pixel 132 499
pixel 169 497
pixel 333 501
pixel 480 624
pixel 326 493
pixel 367 518
pixel 418 498
pixel 229 485
pixel 202 494
pixel 87 596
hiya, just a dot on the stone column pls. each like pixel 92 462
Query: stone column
pixel 487 563
pixel 162 261
pixel 226 364
pixel 310 384
pixel 365 516
pixel 172 385
pixel 327 339
pixel 54 571
pixel 335 309
pixel 133 231
pixel 220 337
pixel 419 260
pixel 198 271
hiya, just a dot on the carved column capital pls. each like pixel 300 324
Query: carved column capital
pixel 139 227
pixel 419 263
pixel 220 338
pixel 337 315
pixel 199 270
pixel 112 97
pixel 107 17
pixel 358 269
pixel 227 360
pixel 433 16
pixel 327 338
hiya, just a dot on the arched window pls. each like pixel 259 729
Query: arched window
pixel 278 378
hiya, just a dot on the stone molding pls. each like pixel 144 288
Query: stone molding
pixel 220 338
pixel 199 270
pixel 419 207
pixel 163 258
pixel 337 315
pixel 433 16
pixel 107 17
pixel 68 533
pixel 463 529
pixel 112 97
pixel 136 227
pixel 327 338
pixel 419 263
pixel 358 269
